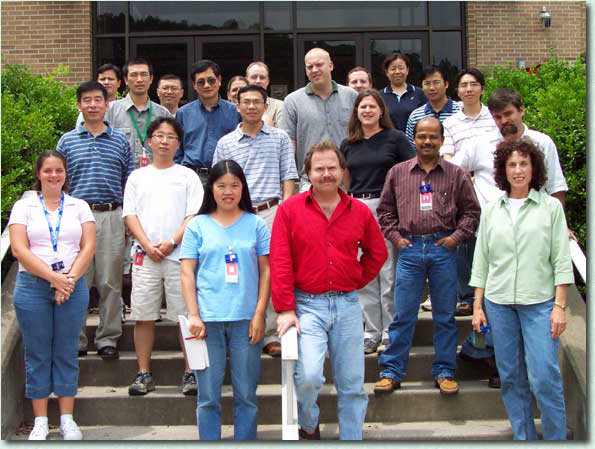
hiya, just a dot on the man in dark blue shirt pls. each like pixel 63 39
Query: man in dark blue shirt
pixel 205 120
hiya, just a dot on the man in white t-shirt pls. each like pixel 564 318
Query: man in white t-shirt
pixel 159 200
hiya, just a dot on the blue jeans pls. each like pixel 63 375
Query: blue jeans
pixel 464 262
pixel 471 350
pixel 50 335
pixel 244 359
pixel 415 265
pixel 332 321
pixel 524 347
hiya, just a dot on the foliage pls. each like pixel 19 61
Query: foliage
pixel 555 95
pixel 36 111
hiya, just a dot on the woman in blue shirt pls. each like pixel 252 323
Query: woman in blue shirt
pixel 226 287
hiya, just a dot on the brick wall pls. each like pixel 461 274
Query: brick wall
pixel 503 32
pixel 44 34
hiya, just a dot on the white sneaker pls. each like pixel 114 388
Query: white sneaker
pixel 427 305
pixel 70 431
pixel 39 432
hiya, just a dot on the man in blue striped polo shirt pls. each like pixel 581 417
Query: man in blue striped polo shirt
pixel 98 162
pixel 434 85
pixel 266 156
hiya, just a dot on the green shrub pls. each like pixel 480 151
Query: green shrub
pixel 36 111
pixel 555 99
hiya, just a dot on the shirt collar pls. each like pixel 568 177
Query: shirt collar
pixel 219 100
pixel 389 90
pixel 81 129
pixel 309 90
pixel 534 196
pixel 344 197
pixel 266 129
pixel 128 103
pixel 415 163
pixel 446 108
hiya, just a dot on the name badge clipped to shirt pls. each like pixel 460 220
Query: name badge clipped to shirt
pixel 58 265
pixel 425 196
pixel 139 257
pixel 231 267
pixel 144 160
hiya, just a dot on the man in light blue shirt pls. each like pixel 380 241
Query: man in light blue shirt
pixel 266 157
pixel 205 120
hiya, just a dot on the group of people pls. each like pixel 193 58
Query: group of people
pixel 201 201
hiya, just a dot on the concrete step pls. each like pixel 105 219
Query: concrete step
pixel 496 429
pixel 166 333
pixel 415 401
pixel 167 368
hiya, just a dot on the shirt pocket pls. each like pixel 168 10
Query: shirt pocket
pixel 444 204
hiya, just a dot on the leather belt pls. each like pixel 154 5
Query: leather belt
pixel 264 205
pixel 365 196
pixel 104 207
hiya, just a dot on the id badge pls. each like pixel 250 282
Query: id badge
pixel 231 268
pixel 58 265
pixel 138 259
pixel 425 201
pixel 144 161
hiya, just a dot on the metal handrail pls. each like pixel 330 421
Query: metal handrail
pixel 578 259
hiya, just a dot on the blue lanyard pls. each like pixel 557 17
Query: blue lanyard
pixel 53 232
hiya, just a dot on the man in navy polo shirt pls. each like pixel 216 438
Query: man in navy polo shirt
pixel 205 120
pixel 98 162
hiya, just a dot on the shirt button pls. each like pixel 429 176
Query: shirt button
pixel 329 243
pixel 330 282
pixel 331 262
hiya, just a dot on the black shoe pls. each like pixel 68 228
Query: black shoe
pixel 494 381
pixel 307 436
pixel 108 353
pixel 82 352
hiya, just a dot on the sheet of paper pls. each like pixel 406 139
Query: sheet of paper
pixel 196 349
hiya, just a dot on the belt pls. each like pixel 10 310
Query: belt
pixel 104 207
pixel 434 236
pixel 264 205
pixel 199 170
pixel 365 196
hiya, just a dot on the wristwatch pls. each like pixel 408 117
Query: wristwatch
pixel 173 243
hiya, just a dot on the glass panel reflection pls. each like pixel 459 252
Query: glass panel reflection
pixel 342 54
pixel 447 53
pixel 179 16
pixel 360 14
pixel 279 58
pixel 233 58
pixel 111 17
pixel 381 48
pixel 277 15
pixel 446 13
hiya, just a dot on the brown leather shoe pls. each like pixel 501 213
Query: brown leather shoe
pixel 273 349
pixel 309 436
pixel 447 385
pixel 386 385
pixel 464 310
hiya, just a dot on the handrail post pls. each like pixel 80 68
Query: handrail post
pixel 289 414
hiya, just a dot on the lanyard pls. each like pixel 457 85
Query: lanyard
pixel 53 232
pixel 144 136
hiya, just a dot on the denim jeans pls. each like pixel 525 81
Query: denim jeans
pixel 464 262
pixel 50 335
pixel 415 265
pixel 332 321
pixel 524 348
pixel 244 359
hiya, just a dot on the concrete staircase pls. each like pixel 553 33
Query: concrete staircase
pixel 415 412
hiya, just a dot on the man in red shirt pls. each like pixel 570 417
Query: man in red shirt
pixel 315 273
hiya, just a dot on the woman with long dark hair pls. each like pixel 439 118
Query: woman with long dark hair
pixel 226 287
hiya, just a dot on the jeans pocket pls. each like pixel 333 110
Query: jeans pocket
pixel 351 297
pixel 303 298
pixel 26 280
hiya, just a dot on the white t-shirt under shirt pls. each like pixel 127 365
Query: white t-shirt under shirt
pixel 29 212
pixel 162 199
pixel 514 205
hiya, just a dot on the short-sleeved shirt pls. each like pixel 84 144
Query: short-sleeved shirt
pixel 29 212
pixel 97 166
pixel 401 106
pixel 161 199
pixel 118 115
pixel 209 242
pixel 203 129
pixel 460 128
pixel 308 119
pixel 267 159
pixel 450 108
pixel 274 110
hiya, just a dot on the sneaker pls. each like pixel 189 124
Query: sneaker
pixel 189 384
pixel 447 385
pixel 464 310
pixel 39 432
pixel 143 383
pixel 382 346
pixel 370 346
pixel 70 431
pixel 427 305
pixel 386 385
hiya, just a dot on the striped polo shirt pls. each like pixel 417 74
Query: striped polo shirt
pixel 267 159
pixel 97 167
pixel 459 128
pixel 450 108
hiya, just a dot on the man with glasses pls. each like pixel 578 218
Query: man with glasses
pixel 257 73
pixel 266 156
pixel 170 92
pixel 133 113
pixel 159 231
pixel 434 85
pixel 205 120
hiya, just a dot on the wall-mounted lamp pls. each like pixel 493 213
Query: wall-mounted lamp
pixel 546 18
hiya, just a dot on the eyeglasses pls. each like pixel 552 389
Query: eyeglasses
pixel 247 103
pixel 434 83
pixel 400 68
pixel 173 89
pixel 211 80
pixel 168 137
pixel 139 75
pixel 473 84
